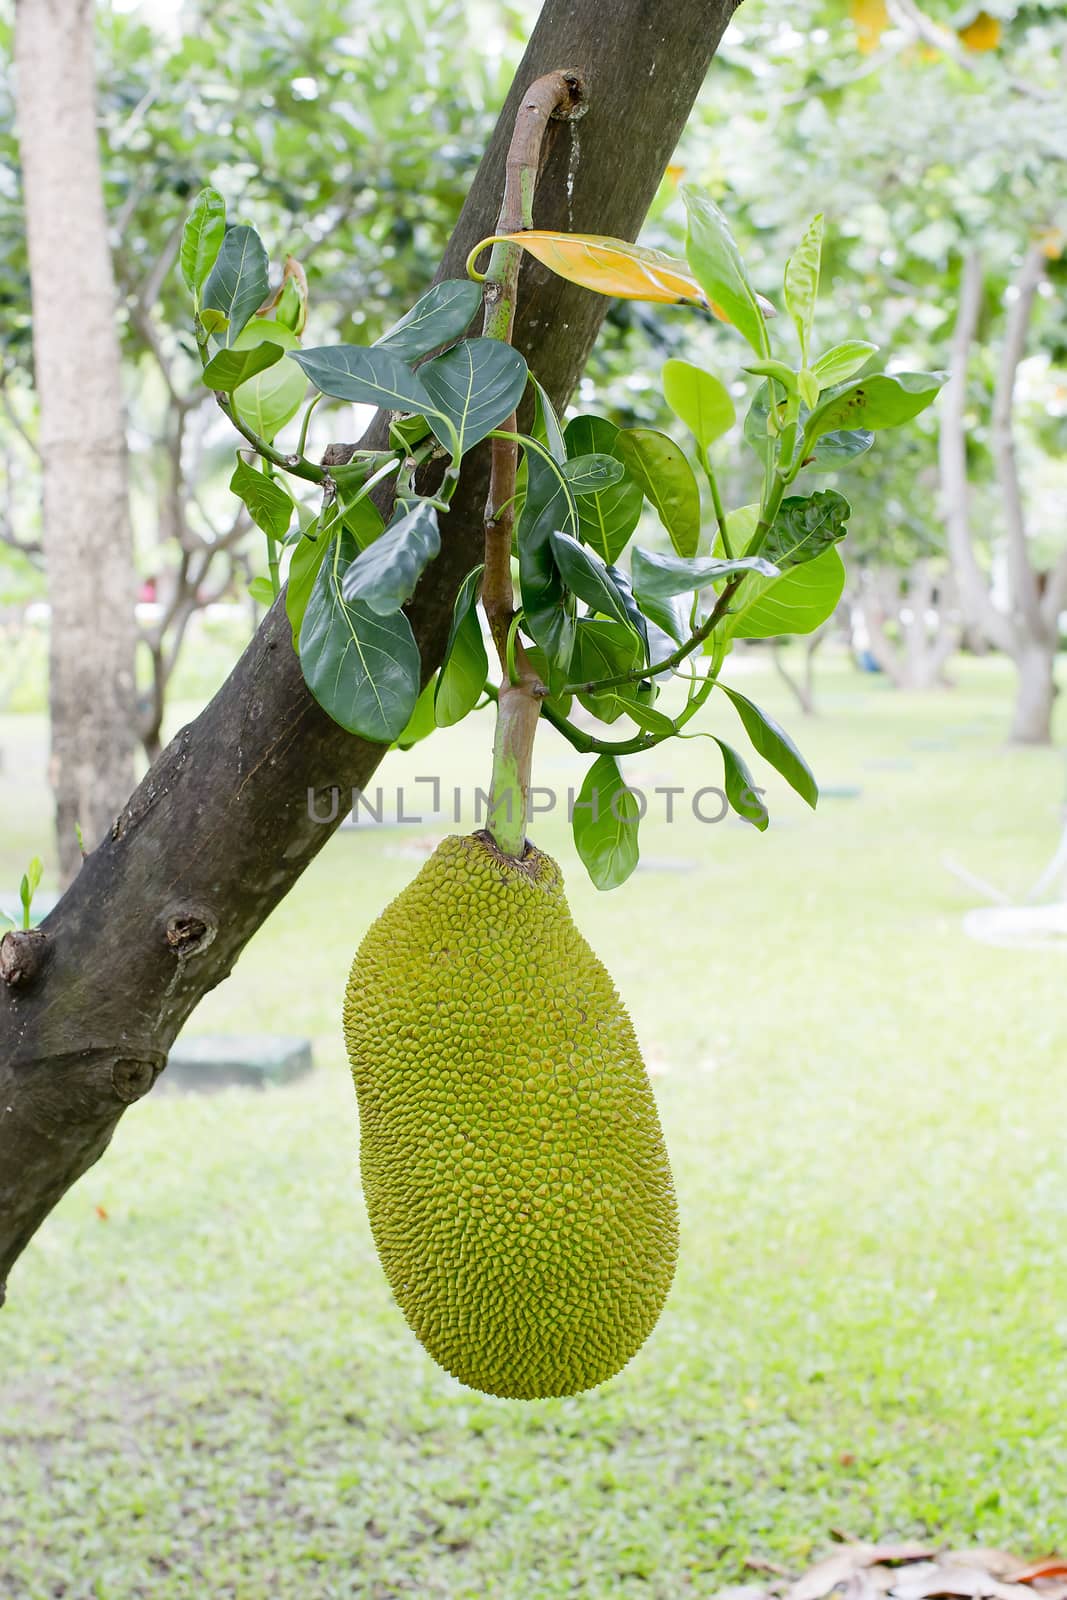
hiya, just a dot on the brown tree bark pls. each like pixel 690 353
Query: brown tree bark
pixel 221 828
pixel 87 539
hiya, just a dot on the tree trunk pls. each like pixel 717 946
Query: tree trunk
pixel 221 828
pixel 87 539
pixel 1035 692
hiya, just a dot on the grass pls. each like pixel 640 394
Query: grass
pixel 206 1388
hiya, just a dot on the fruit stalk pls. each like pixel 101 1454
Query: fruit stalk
pixel 557 94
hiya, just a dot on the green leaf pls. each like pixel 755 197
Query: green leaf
pixel 778 370
pixel 237 284
pixel 549 507
pixel 698 400
pixel 717 263
pixel 363 521
pixel 837 450
pixel 592 474
pixel 771 741
pixel 808 386
pixel 384 575
pixel 741 789
pixel 805 527
pixel 271 398
pixel 603 649
pixel 31 881
pixel 797 602
pixel 421 722
pixel 843 361
pixel 608 518
pixel 229 368
pixel 213 321
pixel 202 237
pixel 367 376
pixel 362 668
pixel 605 823
pixel 586 576
pixel 477 385
pixel 880 401
pixel 410 431
pixel 466 665
pixel 661 576
pixel 262 591
pixel 656 463
pixel 444 313
pixel 802 283
pixel 558 702
pixel 546 426
pixel 304 564
pixel 269 506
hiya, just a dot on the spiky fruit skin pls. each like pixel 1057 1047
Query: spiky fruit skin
pixel 514 1169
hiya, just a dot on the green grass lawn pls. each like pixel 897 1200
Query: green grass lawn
pixel 207 1392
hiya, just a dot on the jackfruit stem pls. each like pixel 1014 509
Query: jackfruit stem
pixel 517 713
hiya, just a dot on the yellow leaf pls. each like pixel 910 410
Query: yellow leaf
pixel 983 33
pixel 614 267
pixel 870 20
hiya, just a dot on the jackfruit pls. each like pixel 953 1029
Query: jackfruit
pixel 516 1178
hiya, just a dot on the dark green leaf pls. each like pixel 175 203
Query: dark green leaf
pixel 698 400
pixel 880 401
pixel 589 475
pixel 836 450
pixel 367 376
pixel 608 518
pixel 269 506
pixel 805 527
pixel 602 650
pixel 229 368
pixel 546 426
pixel 656 463
pixel 384 575
pixel 444 313
pixel 364 522
pixel 237 284
pixel 605 823
pixel 477 385
pixel 741 789
pixel 362 668
pixel 586 576
pixel 660 576
pixel 202 238
pixel 466 664
pixel 773 743
pixel 717 263
pixel 549 507
pixel 304 566
pixel 421 723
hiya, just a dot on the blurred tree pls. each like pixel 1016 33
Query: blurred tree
pixel 85 522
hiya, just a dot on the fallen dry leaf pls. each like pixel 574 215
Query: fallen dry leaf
pixel 1050 1567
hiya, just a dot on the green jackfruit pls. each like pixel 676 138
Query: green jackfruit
pixel 516 1178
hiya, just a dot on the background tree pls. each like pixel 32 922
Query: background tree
pixel 82 437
